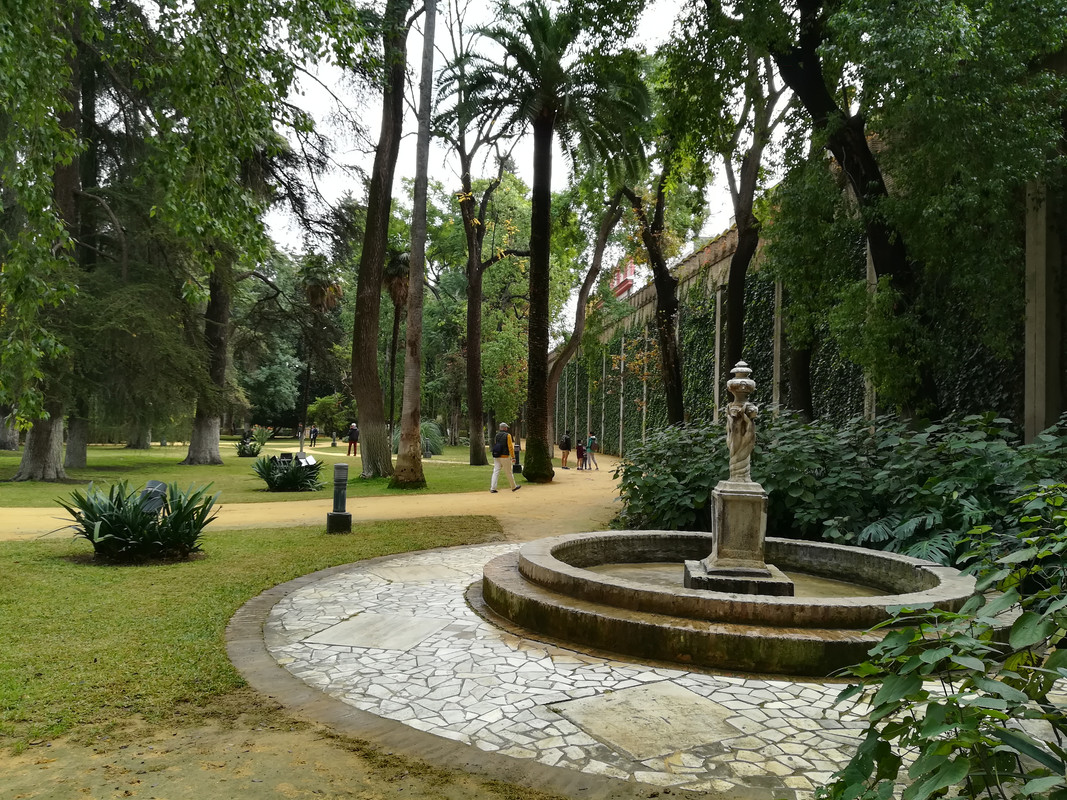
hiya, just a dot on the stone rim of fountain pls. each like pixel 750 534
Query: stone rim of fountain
pixel 557 564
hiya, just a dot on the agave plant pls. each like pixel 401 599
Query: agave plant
pixel 248 448
pixel 288 475
pixel 132 525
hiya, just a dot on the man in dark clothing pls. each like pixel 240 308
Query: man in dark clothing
pixel 565 449
pixel 353 440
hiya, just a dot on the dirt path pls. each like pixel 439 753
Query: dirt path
pixel 254 751
pixel 575 501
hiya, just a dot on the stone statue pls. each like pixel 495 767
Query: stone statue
pixel 740 423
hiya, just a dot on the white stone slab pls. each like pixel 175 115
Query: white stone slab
pixel 651 720
pixel 416 573
pixel 383 631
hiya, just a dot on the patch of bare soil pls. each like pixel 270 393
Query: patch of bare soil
pixel 258 754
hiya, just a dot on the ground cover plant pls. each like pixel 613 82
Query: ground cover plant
pixel 233 480
pixel 886 486
pixel 85 646
pixel 130 525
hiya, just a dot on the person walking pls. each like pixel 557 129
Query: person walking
pixel 353 439
pixel 565 449
pixel 314 433
pixel 590 451
pixel 503 456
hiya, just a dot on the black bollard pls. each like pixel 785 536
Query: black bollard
pixel 339 520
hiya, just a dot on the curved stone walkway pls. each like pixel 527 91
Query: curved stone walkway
pixel 396 638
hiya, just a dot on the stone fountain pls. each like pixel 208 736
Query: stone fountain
pixel 732 605
pixel 736 562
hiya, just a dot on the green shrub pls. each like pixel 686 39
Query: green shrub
pixel 430 432
pixel 666 483
pixel 261 435
pixel 975 713
pixel 288 475
pixel 888 487
pixel 131 526
pixel 248 448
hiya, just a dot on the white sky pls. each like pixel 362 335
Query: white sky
pixel 322 102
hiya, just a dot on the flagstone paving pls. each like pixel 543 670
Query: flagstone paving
pixel 397 638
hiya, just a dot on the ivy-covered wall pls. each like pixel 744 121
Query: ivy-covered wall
pixel 972 378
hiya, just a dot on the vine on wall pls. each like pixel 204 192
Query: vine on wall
pixel 973 378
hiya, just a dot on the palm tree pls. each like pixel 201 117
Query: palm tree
pixel 550 83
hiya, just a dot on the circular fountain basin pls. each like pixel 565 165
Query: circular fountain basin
pixel 549 588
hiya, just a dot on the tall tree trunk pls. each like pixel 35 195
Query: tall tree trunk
pixel 9 434
pixel 802 70
pixel 670 361
pixel 474 233
pixel 610 218
pixel 409 474
pixel 204 442
pixel 366 383
pixel 139 436
pixel 394 345
pixel 748 233
pixel 475 404
pixel 538 468
pixel 42 460
pixel 77 436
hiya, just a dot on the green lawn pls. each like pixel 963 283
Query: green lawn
pixel 84 646
pixel 445 474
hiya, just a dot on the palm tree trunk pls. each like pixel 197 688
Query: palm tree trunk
pixel 538 467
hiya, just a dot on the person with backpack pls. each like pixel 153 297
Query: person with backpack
pixel 503 455
pixel 565 449
pixel 590 451
pixel 580 453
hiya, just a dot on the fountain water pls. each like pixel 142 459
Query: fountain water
pixel 736 609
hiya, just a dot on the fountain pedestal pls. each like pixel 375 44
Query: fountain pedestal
pixel 736 562
pixel 739 521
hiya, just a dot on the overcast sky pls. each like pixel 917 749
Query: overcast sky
pixel 321 99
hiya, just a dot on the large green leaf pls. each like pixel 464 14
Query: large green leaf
pixel 1030 629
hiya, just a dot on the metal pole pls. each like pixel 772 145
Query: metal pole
pixel 622 386
pixel 776 384
pixel 589 402
pixel 575 363
pixel 603 388
pixel 644 386
pixel 718 354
